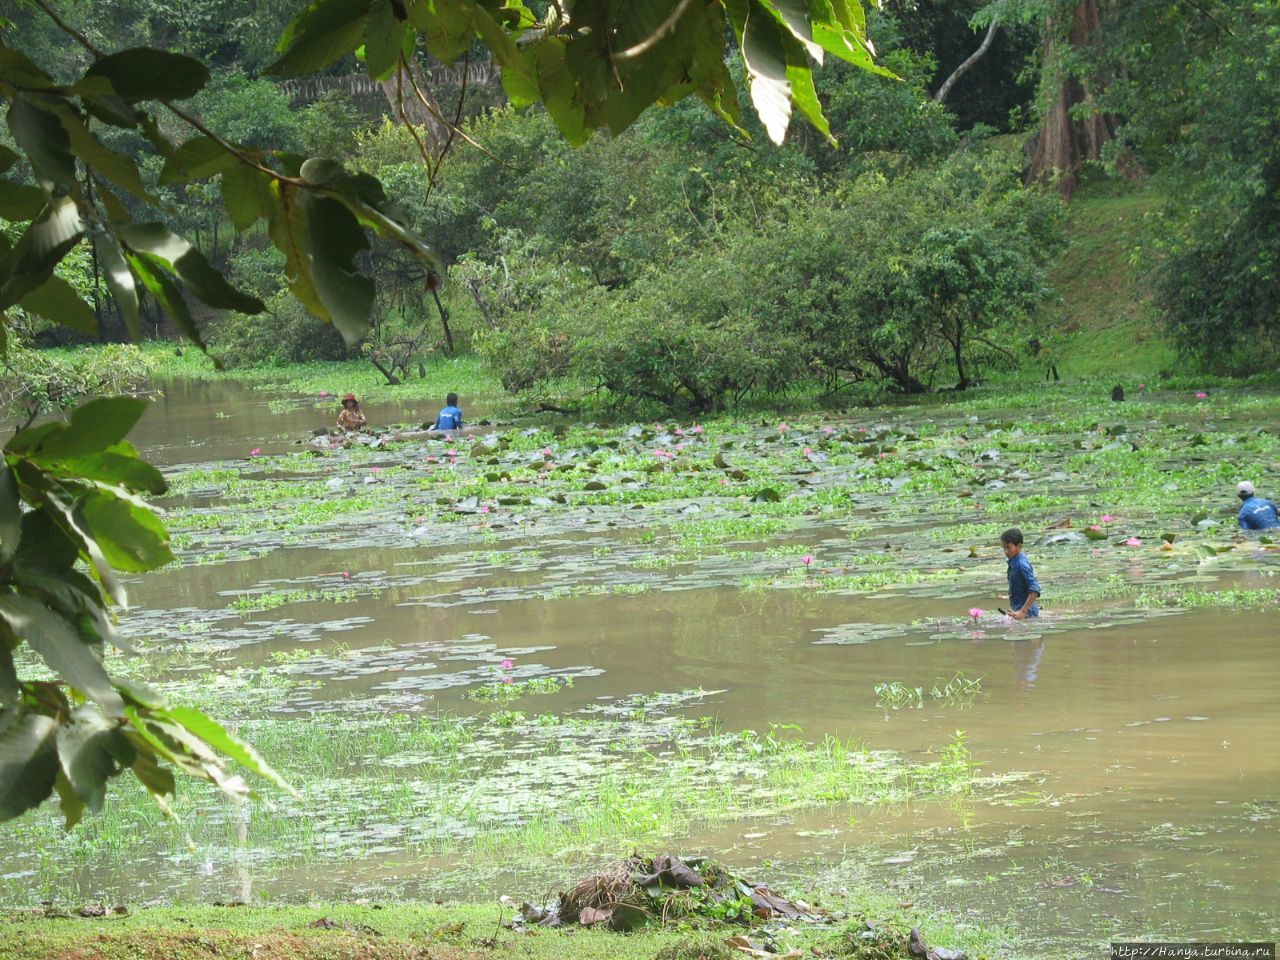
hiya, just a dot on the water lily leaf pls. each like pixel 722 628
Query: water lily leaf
pixel 596 485
pixel 767 495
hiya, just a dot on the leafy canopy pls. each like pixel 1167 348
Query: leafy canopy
pixel 71 507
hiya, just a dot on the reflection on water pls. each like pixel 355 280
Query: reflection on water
pixel 1152 738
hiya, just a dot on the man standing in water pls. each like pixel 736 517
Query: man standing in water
pixel 1255 512
pixel 1024 588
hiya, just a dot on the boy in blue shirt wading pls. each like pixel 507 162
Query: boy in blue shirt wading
pixel 1024 588
pixel 450 417
pixel 1255 512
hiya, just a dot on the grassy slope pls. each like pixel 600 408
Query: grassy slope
pixel 439 932
pixel 1109 327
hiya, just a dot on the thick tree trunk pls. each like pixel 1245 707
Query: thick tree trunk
pixel 409 108
pixel 1064 143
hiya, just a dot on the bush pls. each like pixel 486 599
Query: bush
pixel 39 381
pixel 285 333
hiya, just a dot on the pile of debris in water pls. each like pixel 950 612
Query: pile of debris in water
pixel 667 889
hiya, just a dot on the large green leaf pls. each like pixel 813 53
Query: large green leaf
pixel 333 239
pixel 319 35
pixel 44 545
pixel 9 691
pixel 10 513
pixel 20 201
pixel 156 279
pixel 21 70
pixel 154 777
pixel 92 152
pixel 246 193
pixel 198 158
pixel 7 158
pixel 219 738
pixel 445 26
pixel 45 242
pixel 131 537
pixel 92 750
pixel 93 427
pixel 144 73
pixel 289 228
pixel 62 649
pixel 57 301
pixel 66 514
pixel 117 469
pixel 188 264
pixel 76 597
pixel 44 140
pixel 559 92
pixel 384 35
pixel 120 281
pixel 765 58
pixel 28 761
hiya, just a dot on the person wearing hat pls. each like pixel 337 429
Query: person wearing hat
pixel 351 418
pixel 1255 512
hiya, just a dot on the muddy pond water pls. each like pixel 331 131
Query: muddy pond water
pixel 1133 746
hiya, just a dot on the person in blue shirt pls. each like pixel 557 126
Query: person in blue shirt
pixel 1255 512
pixel 1024 588
pixel 450 417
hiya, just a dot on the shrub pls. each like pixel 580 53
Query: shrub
pixel 285 333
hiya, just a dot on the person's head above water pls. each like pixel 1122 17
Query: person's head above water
pixel 1244 490
pixel 451 400
pixel 1011 541
pixel 350 401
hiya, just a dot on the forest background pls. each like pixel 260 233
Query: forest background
pixel 683 264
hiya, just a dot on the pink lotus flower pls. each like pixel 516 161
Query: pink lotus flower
pixel 659 453
pixel 507 680
pixel 484 509
pixel 1133 542
pixel 375 469
pixel 679 446
pixel 547 452
pixel 1094 526
pixel 724 481
pixel 451 453
pixel 432 460
pixel 346 574
pixel 507 664
pixel 679 432
pixel 420 520
pixel 323 394
pixel 976 612
pixel 1108 518
pixel 1201 395
pixel 1142 386
pixel 255 451
pixel 448 438
pixel 784 427
pixel 862 429
pixel 808 450
pixel 807 559
pixel 696 428
pixel 828 429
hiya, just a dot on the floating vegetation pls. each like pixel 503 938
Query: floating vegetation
pixel 509 689
pixel 273 599
pixel 959 690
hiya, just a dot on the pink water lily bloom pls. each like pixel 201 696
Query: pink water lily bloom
pixel 507 664
pixel 432 460
pixel 507 680
pixel 784 427
pixel 828 429
pixel 547 452
pixel 484 509
pixel 1133 542
pixel 375 469
pixel 255 451
pixel 451 453
pixel 807 559
pixel 976 612
pixel 346 574
pixel 1108 518
pixel 679 446
pixel 1094 526
pixel 1201 395
pixel 323 394
pixel 808 450
pixel 697 428
pixel 679 432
